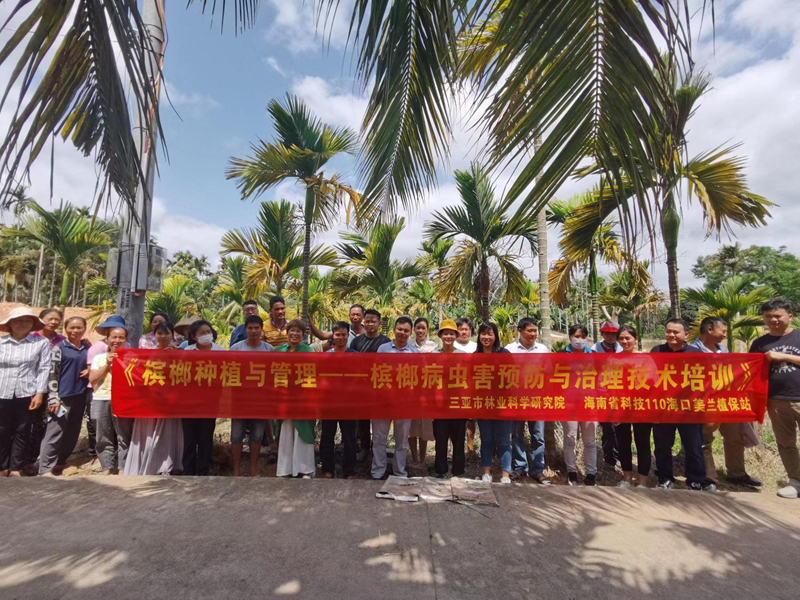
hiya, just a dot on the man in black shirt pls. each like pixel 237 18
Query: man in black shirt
pixel 782 348
pixel 370 341
pixel 691 433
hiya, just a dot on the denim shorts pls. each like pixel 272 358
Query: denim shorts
pixel 257 427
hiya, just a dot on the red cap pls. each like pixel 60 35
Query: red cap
pixel 610 327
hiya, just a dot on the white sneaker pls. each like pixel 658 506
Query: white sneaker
pixel 790 491
pixel 486 478
pixel 505 480
pixel 624 484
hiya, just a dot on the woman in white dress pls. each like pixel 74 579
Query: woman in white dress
pixel 157 444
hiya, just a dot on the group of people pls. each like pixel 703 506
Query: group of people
pixel 48 381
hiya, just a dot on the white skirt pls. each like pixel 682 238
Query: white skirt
pixel 295 457
pixel 156 447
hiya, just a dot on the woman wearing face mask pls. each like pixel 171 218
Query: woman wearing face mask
pixel 67 396
pixel 579 344
pixel 493 431
pixel 198 434
pixel 157 444
pixel 627 338
pixel 296 436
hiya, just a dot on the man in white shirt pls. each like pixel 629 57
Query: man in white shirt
pixel 526 344
pixel 463 342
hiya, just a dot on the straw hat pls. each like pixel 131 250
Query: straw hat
pixel 18 313
pixel 447 325
pixel 182 326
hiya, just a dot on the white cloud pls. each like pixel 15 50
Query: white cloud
pixel 180 232
pixel 341 109
pixel 299 28
pixel 192 104
pixel 273 62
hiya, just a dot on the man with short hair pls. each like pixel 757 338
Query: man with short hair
pixel 463 342
pixel 782 348
pixel 249 308
pixel 609 345
pixel 526 343
pixel 254 327
pixel 369 342
pixel 340 332
pixel 713 330
pixel 275 333
pixel 691 434
pixel 356 328
pixel 403 327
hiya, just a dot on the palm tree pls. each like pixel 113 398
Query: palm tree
pixel 231 287
pixel 274 246
pixel 632 294
pixel 530 294
pixel 303 146
pixel 484 235
pixel 422 299
pixel 67 233
pixel 589 62
pixel 733 302
pixel 368 266
pixel 605 245
pixel 174 299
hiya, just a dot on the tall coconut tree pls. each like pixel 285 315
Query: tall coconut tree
pixel 274 247
pixel 368 266
pixel 302 147
pixel 67 233
pixel 733 302
pixel 483 236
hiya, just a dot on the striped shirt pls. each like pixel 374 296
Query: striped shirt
pixel 24 366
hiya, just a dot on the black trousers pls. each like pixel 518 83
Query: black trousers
pixel 38 425
pixel 641 434
pixel 90 430
pixel 609 441
pixel 363 434
pixel 198 445
pixel 327 442
pixel 15 422
pixel 445 430
pixel 692 441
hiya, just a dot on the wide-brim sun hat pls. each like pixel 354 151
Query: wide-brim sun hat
pixel 19 313
pixel 182 326
pixel 112 322
pixel 447 325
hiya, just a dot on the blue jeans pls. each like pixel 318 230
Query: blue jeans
pixel 495 431
pixel 520 452
pixel 257 428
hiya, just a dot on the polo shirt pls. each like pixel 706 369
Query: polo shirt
pixel 273 335
pixel 392 349
pixel 73 361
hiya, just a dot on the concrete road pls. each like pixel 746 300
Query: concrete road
pixel 148 538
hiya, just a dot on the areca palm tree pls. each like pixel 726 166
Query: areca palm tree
pixel 302 148
pixel 632 294
pixel 422 299
pixel 231 286
pixel 174 299
pixel 274 247
pixel 733 302
pixel 530 294
pixel 368 266
pixel 484 235
pixel 67 233
pixel 716 179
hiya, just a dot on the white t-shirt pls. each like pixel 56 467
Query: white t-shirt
pixel 103 391
pixel 469 347
pixel 516 348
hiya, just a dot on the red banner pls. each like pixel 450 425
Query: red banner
pixel 648 388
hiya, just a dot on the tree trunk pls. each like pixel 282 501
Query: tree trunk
pixel 64 289
pixel 53 281
pixel 36 298
pixel 483 301
pixel 5 286
pixel 385 324
pixel 594 293
pixel 309 218
pixel 638 324
pixel 74 291
pixel 85 281
pixel 670 226
pixel 544 265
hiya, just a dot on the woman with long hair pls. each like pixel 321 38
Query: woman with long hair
pixel 494 432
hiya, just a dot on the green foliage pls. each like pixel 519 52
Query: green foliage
pixel 765 266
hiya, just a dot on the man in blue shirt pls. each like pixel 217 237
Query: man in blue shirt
pixel 249 308
pixel 712 331
pixel 403 327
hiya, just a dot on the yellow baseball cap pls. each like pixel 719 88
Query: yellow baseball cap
pixel 447 324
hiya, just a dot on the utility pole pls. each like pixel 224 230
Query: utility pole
pixel 134 251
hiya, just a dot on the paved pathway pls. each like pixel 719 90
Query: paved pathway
pixel 148 538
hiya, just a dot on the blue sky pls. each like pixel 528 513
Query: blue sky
pixel 220 85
